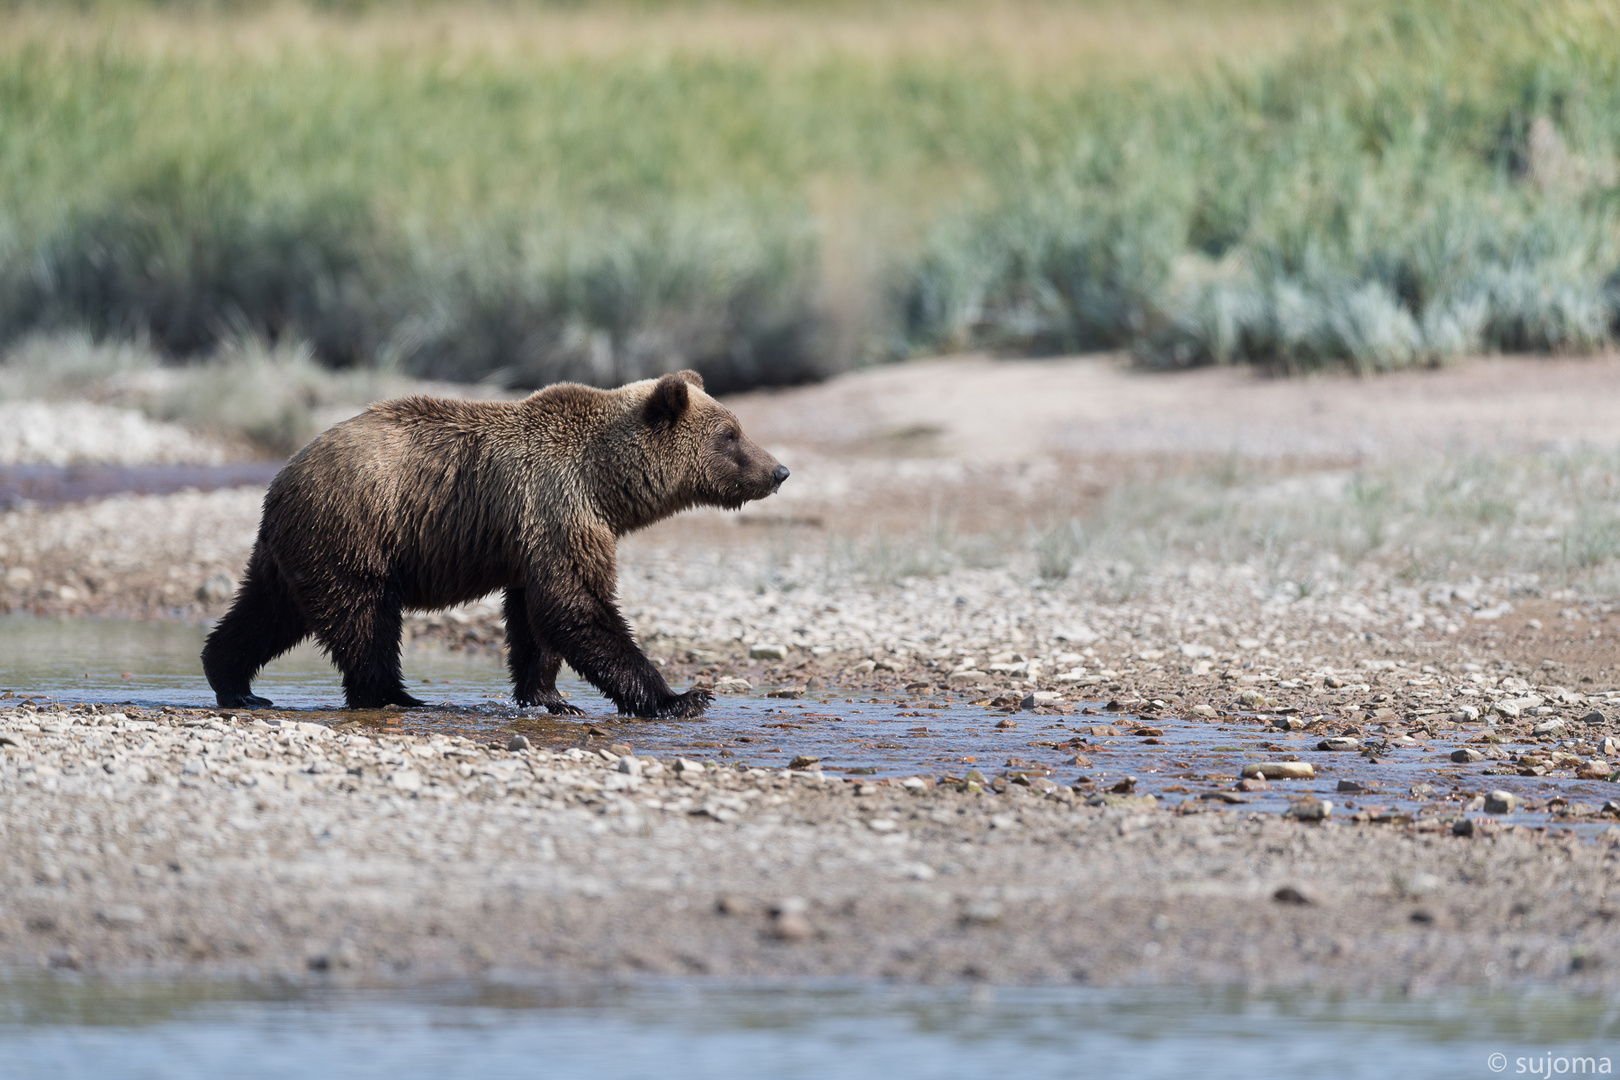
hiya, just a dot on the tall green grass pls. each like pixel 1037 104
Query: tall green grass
pixel 1440 180
pixel 1430 180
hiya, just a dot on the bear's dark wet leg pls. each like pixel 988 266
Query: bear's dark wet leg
pixel 362 637
pixel 533 663
pixel 596 641
pixel 263 622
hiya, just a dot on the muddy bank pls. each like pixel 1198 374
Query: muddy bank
pixel 177 841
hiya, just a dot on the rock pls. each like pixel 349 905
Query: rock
pixel 865 667
pixel 517 742
pixel 732 685
pixel 687 765
pixel 883 825
pixel 630 765
pixel 1125 802
pixel 1309 810
pixel 1593 769
pixel 1594 717
pixel 957 678
pixel 1339 742
pixel 981 912
pixel 1422 791
pixel 407 780
pixel 1465 714
pixel 1287 723
pixel 1253 699
pixel 1506 709
pixel 1467 756
pixel 732 904
pixel 217 589
pixel 1299 893
pixel 1206 711
pixel 1254 783
pixel 1548 727
pixel 804 761
pixel 1079 635
pixel 121 916
pixel 620 750
pixel 790 921
pixel 767 652
pixel 1501 802
pixel 1280 770
pixel 1196 652
pixel 1355 787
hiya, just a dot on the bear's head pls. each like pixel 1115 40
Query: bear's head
pixel 715 462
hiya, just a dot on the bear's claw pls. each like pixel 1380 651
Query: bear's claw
pixel 243 701
pixel 562 708
pixel 685 706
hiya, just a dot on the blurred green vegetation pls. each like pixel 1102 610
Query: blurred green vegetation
pixel 771 192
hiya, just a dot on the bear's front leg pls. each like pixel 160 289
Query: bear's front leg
pixel 586 628
pixel 533 663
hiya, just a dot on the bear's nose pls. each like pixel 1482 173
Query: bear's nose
pixel 779 474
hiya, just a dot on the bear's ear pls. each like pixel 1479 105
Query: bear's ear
pixel 690 376
pixel 669 401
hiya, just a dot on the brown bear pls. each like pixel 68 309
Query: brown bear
pixel 424 503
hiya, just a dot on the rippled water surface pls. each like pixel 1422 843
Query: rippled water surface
pixel 1175 759
pixel 60 1029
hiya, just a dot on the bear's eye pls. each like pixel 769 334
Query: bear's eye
pixel 731 436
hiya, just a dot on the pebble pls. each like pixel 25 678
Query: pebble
pixel 1501 802
pixel 790 921
pixel 731 684
pixel 1280 770
pixel 1593 769
pixel 1298 893
pixel 1594 717
pixel 408 780
pixel 121 916
pixel 804 761
pixel 1548 727
pixel 630 765
pixel 517 742
pixel 1467 755
pixel 1465 714
pixel 981 912
pixel 1309 810
pixel 1339 742
pixel 767 652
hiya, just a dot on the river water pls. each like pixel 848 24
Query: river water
pixel 64 1029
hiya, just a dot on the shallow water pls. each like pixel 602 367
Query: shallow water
pixel 63 1028
pixel 155 664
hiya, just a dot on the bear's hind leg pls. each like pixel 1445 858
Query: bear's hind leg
pixel 263 622
pixel 362 637
pixel 533 664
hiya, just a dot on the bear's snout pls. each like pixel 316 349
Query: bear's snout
pixel 778 474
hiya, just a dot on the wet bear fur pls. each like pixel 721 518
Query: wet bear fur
pixel 424 503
